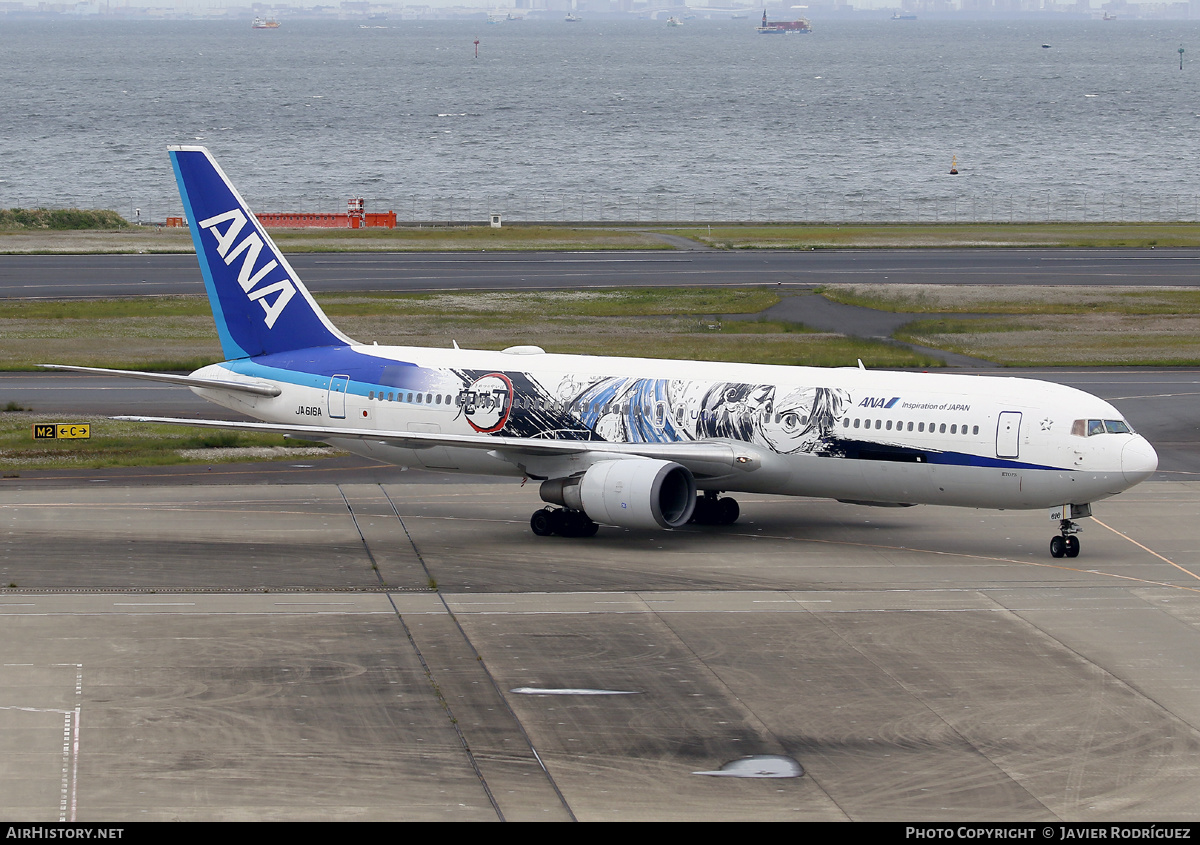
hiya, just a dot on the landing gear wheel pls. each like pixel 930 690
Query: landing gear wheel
pixel 710 510
pixel 1066 544
pixel 576 524
pixel 563 522
pixel 541 523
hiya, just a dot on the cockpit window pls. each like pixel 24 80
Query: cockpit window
pixel 1088 428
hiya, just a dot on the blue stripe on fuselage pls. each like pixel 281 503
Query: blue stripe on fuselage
pixel 314 367
pixel 965 459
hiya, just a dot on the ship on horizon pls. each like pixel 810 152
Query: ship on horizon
pixel 798 26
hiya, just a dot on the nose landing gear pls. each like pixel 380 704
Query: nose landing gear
pixel 1066 544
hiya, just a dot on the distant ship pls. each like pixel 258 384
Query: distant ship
pixel 800 25
pixel 570 18
pixel 674 21
pixel 269 23
pixel 903 16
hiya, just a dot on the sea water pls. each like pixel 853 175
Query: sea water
pixel 628 120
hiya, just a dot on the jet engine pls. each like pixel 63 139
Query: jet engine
pixel 631 493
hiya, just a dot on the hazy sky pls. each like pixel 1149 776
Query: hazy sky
pixel 186 5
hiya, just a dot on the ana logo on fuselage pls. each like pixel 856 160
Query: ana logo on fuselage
pixel 249 248
pixel 875 402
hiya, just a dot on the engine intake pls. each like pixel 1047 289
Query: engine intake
pixel 631 493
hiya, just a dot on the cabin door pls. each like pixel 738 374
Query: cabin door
pixel 337 397
pixel 1008 433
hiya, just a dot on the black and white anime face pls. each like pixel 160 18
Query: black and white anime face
pixel 802 419
pixel 798 420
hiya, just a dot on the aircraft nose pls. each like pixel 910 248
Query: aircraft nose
pixel 1138 460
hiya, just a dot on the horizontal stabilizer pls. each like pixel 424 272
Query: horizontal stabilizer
pixel 257 388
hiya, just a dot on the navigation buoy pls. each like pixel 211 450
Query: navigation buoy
pixel 954 166
pixel 477 48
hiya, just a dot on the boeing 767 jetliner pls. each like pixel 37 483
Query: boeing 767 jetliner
pixel 638 443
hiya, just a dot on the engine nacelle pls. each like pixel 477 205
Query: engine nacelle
pixel 631 493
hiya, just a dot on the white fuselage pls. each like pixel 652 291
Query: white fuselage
pixel 849 434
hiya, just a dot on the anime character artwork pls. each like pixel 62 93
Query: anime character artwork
pixel 786 420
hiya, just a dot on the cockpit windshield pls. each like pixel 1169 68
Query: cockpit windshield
pixel 1088 428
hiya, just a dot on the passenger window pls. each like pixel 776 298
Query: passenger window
pixel 954 429
pixel 910 426
pixel 889 425
pixel 856 423
pixel 942 430
pixel 975 430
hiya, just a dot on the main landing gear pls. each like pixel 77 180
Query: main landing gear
pixel 565 523
pixel 713 511
pixel 709 510
pixel 1066 544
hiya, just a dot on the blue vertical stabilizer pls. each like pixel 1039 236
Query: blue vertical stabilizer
pixel 259 304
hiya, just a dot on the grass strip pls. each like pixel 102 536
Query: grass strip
pixel 943 235
pixel 122 238
pixel 116 443
pixel 1018 299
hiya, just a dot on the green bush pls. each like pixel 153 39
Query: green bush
pixel 60 218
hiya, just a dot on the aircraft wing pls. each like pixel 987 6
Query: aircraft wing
pixel 257 388
pixel 703 457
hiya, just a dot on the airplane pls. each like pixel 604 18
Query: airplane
pixel 630 442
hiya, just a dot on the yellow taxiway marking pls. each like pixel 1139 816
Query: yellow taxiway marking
pixel 1146 549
